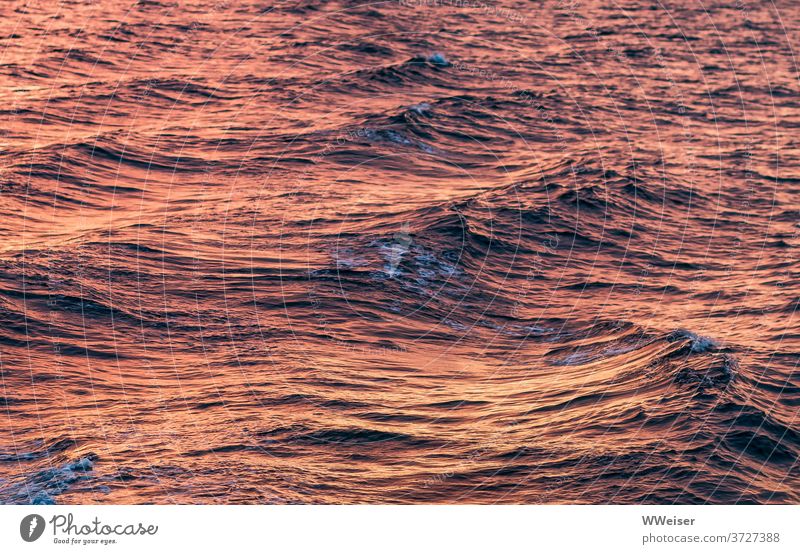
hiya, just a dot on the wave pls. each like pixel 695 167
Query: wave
pixel 287 262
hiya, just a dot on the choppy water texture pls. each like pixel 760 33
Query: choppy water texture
pixel 399 252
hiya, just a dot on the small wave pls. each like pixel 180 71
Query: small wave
pixel 44 486
pixel 697 343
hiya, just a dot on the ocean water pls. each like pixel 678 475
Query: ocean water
pixel 399 252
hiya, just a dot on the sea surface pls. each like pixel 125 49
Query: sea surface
pixel 423 251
